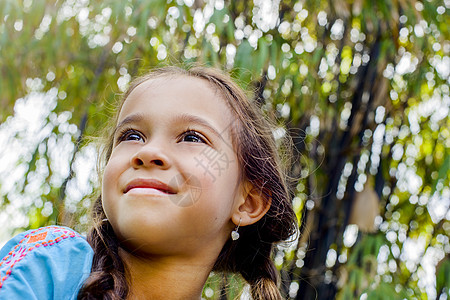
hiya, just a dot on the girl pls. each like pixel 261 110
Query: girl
pixel 192 184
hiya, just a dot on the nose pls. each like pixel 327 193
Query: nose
pixel 150 155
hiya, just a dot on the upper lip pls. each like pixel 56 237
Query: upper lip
pixel 149 184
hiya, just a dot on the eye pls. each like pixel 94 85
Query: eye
pixel 193 136
pixel 130 135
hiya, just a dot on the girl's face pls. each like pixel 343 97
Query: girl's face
pixel 172 182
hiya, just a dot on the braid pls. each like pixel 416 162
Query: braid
pixel 107 279
pixel 262 277
pixel 257 268
pixel 265 288
pixel 251 257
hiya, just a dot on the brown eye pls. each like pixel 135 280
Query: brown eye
pixel 130 135
pixel 193 137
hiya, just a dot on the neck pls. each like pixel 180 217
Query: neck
pixel 165 277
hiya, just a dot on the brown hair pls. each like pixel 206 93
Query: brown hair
pixel 261 166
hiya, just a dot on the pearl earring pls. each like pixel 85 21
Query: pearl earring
pixel 234 233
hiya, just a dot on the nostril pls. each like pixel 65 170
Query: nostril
pixel 138 162
pixel 158 162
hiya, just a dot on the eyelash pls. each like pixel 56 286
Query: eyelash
pixel 198 135
pixel 127 132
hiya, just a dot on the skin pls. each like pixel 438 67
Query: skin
pixel 165 127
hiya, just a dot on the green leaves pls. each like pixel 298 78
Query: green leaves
pixel 263 54
pixel 244 61
pixel 443 174
pixel 442 277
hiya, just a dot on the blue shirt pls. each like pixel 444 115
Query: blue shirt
pixel 46 263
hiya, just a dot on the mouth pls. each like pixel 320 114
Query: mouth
pixel 149 184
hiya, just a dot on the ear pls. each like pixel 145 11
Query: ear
pixel 252 206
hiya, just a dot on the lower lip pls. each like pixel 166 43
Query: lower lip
pixel 146 191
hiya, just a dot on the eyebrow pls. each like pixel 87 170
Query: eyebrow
pixel 188 118
pixel 134 118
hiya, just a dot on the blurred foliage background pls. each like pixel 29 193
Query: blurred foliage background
pixel 362 86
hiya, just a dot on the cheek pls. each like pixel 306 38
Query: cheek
pixel 106 191
pixel 115 166
pixel 109 176
pixel 214 166
pixel 110 184
pixel 219 191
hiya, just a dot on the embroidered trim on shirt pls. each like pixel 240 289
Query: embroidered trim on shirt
pixel 33 240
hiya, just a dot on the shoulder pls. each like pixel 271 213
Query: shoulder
pixel 49 262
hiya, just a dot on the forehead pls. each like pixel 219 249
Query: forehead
pixel 179 94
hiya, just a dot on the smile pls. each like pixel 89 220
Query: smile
pixel 148 186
